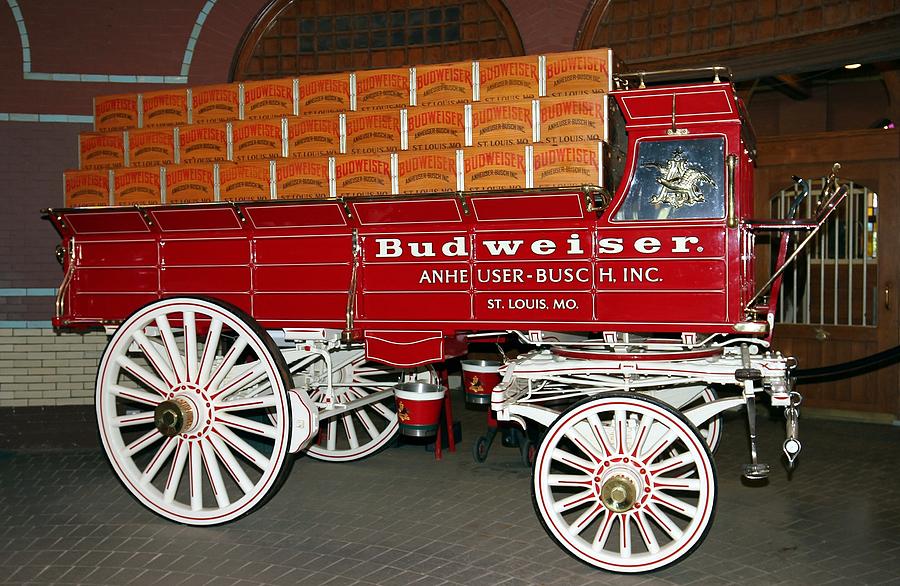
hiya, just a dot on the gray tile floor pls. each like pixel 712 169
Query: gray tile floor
pixel 401 517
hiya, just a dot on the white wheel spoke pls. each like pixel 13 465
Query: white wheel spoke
pixel 172 351
pixel 674 504
pixel 576 500
pixel 195 475
pixel 625 536
pixel 248 425
pixel 569 459
pixel 148 439
pixel 214 473
pixel 247 451
pixel 242 380
pixel 640 436
pixel 160 364
pixel 190 345
pixel 664 521
pixel 142 374
pixel 347 420
pixel 586 518
pixel 671 464
pixel 620 431
pixel 210 348
pixel 176 471
pixel 231 464
pixel 135 395
pixel 689 484
pixel 331 435
pixel 584 444
pixel 159 460
pixel 244 404
pixel 134 419
pixel 659 447
pixel 600 433
pixel 231 357
pixel 367 423
pixel 646 532
pixel 569 480
pixel 603 532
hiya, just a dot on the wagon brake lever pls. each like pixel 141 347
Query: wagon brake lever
pixel 746 375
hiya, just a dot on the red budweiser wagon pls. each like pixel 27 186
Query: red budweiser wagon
pixel 243 332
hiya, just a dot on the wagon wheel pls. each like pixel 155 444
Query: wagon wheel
pixel 624 483
pixel 192 408
pixel 366 430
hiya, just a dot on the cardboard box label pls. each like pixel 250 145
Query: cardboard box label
pixel 119 112
pixel 573 119
pixel 190 183
pixel 431 172
pixel 164 108
pixel 373 132
pixel 244 181
pixel 500 125
pixel 272 98
pixel 215 103
pixel 382 89
pixel 436 127
pixel 494 169
pixel 151 147
pixel 314 135
pixel 566 165
pixel 362 175
pixel 508 79
pixel 86 188
pixel 101 150
pixel 136 187
pixel 256 139
pixel 203 143
pixel 301 178
pixel 578 72
pixel 322 94
pixel 444 84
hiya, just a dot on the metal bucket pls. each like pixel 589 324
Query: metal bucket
pixel 479 379
pixel 419 407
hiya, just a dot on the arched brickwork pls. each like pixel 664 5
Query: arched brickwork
pixel 303 36
pixel 755 38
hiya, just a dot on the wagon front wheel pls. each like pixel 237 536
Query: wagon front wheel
pixel 193 410
pixel 624 483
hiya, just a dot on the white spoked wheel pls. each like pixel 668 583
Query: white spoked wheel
pixel 365 430
pixel 193 410
pixel 624 483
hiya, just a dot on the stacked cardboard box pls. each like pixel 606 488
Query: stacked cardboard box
pixel 534 121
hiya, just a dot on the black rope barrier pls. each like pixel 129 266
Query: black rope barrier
pixel 848 369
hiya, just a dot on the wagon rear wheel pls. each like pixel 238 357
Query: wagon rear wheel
pixel 366 430
pixel 193 411
pixel 625 483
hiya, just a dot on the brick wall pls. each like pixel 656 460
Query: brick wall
pixel 40 367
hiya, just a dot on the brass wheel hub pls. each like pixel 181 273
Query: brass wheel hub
pixel 618 493
pixel 174 416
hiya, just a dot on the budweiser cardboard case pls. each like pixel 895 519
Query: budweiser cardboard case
pixel 580 72
pixel 502 125
pixel 198 143
pixel 324 94
pixel 118 112
pixel 427 172
pixel 314 135
pixel 215 103
pixel 573 119
pixel 164 108
pixel 251 180
pixel 509 79
pixel 449 83
pixel 151 147
pixel 493 168
pixel 301 178
pixel 86 188
pixel 373 132
pixel 190 183
pixel 136 187
pixel 362 175
pixel 256 139
pixel 268 99
pixel 101 150
pixel 436 127
pixel 382 89
pixel 568 164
